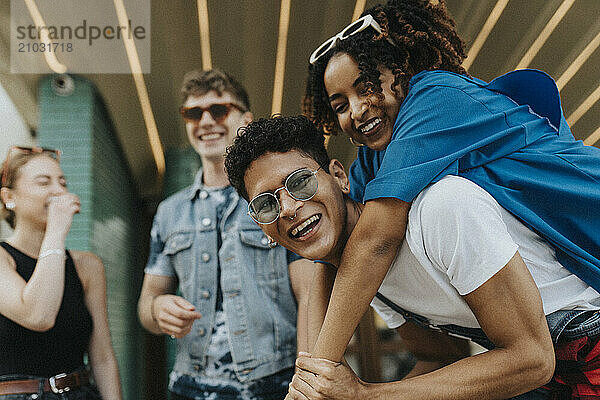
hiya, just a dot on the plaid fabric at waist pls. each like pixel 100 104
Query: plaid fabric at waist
pixel 577 374
pixel 576 338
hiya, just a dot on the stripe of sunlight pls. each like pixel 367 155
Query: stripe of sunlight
pixel 578 62
pixel 38 20
pixel 359 7
pixel 485 31
pixel 284 23
pixel 142 91
pixel 584 107
pixel 545 34
pixel 593 138
pixel 204 34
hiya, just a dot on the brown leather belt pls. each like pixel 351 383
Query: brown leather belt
pixel 57 384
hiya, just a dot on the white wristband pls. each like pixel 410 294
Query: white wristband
pixel 50 252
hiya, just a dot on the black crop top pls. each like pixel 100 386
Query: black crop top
pixel 58 350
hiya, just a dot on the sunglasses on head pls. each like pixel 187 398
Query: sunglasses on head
pixel 357 26
pixel 54 153
pixel 218 112
pixel 301 185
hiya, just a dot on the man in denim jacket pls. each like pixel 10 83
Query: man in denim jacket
pixel 235 319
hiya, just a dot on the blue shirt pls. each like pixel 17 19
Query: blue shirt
pixel 508 136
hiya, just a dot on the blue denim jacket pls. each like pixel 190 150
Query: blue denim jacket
pixel 257 296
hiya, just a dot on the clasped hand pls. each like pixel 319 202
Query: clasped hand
pixel 318 378
pixel 61 208
pixel 174 315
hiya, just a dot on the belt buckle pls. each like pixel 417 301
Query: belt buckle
pixel 52 381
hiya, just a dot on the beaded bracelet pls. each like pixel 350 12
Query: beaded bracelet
pixel 50 252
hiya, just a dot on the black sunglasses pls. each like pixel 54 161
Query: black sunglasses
pixel 218 112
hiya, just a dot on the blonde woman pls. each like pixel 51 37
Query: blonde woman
pixel 53 303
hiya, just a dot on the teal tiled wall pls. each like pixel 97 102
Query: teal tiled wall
pixel 96 170
pixel 181 168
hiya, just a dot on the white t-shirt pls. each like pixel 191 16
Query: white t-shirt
pixel 457 238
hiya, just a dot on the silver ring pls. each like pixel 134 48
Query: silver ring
pixel 172 336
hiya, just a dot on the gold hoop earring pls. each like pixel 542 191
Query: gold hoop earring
pixel 357 144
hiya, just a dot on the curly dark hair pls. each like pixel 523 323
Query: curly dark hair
pixel 424 38
pixel 198 83
pixel 272 135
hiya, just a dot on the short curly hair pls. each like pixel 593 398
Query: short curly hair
pixel 272 135
pixel 424 38
pixel 198 83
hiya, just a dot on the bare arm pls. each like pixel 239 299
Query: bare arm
pixel 367 257
pixel 34 304
pixel 162 312
pixel 102 357
pixel 301 273
pixel 320 291
pixel 508 308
